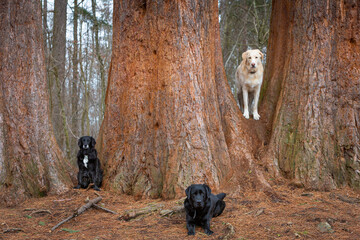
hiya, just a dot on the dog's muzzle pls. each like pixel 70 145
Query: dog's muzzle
pixel 85 146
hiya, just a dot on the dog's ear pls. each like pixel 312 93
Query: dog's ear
pixel 207 191
pixel 188 191
pixel 261 54
pixel 244 56
pixel 79 143
pixel 93 142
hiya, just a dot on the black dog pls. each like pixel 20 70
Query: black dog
pixel 89 165
pixel 200 206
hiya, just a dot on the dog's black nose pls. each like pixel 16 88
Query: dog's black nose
pixel 85 146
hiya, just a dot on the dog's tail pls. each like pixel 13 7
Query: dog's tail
pixel 240 99
pixel 221 196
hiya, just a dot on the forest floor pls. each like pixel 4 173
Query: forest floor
pixel 251 216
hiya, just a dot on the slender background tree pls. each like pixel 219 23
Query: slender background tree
pixel 80 32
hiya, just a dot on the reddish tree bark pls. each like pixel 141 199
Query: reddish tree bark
pixel 170 118
pixel 31 163
pixel 312 98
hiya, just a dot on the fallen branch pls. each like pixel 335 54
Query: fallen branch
pixel 135 213
pixel 78 211
pixel 347 199
pixel 174 210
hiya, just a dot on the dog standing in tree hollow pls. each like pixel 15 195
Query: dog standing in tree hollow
pixel 200 206
pixel 89 164
pixel 248 80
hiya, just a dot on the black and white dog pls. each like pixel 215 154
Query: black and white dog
pixel 200 206
pixel 89 165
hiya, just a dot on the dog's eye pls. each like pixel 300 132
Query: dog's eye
pixel 249 57
pixel 256 57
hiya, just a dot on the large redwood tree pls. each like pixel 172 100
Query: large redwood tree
pixel 31 163
pixel 312 92
pixel 170 117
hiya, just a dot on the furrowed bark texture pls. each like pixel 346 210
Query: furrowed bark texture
pixel 170 117
pixel 31 163
pixel 313 93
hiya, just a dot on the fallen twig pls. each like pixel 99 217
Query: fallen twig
pixel 78 211
pixel 104 209
pixel 62 200
pixel 40 211
pixel 29 209
pixel 12 230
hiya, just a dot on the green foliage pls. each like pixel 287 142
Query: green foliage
pixel 69 230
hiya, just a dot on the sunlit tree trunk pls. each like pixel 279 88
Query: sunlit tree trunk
pixel 31 163
pixel 170 117
pixel 312 92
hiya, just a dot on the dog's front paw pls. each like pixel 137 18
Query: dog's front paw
pixel 191 233
pixel 208 231
pixel 96 188
pixel 256 116
pixel 246 115
pixel 77 187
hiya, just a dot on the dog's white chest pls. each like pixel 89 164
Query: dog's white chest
pixel 86 160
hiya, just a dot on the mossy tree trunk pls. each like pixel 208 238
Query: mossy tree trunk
pixel 312 97
pixel 170 117
pixel 31 163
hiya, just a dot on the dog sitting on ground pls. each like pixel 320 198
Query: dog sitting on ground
pixel 248 80
pixel 200 206
pixel 89 165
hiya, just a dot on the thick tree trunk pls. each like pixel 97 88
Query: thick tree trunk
pixel 31 163
pixel 312 95
pixel 170 118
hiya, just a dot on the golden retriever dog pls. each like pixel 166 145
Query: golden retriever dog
pixel 248 79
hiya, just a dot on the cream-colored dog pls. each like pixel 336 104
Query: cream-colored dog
pixel 248 79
